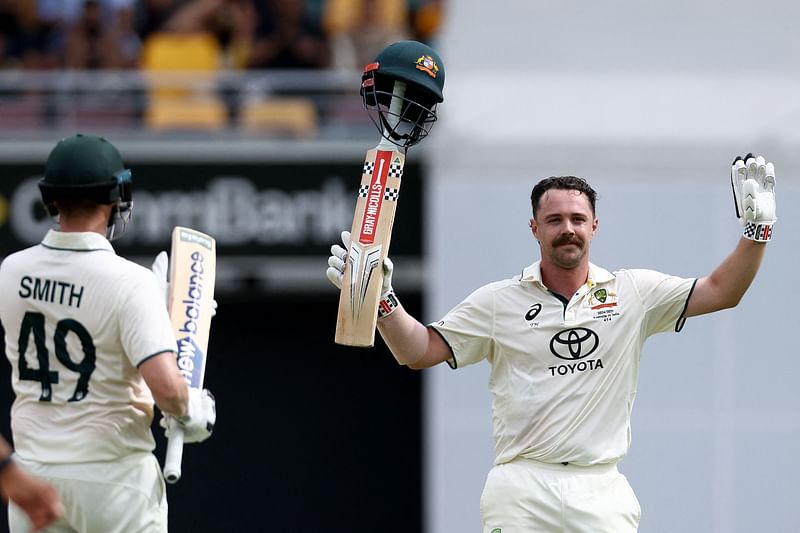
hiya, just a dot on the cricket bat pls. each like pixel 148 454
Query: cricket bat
pixel 192 270
pixel 371 234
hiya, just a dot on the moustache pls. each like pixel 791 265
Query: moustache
pixel 567 240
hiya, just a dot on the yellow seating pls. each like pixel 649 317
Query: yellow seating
pixel 181 68
pixel 292 116
pixel 181 51
pixel 182 113
pixel 345 16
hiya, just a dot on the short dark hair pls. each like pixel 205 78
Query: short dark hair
pixel 569 183
pixel 73 205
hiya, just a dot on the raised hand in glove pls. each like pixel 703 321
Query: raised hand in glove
pixel 335 273
pixel 753 183
pixel 198 422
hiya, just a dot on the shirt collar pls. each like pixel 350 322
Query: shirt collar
pixel 533 273
pixel 76 240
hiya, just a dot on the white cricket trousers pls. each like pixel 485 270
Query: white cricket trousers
pixel 123 496
pixel 526 496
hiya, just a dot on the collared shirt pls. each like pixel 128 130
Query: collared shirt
pixel 78 321
pixel 564 373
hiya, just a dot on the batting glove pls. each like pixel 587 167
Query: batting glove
pixel 336 261
pixel 335 273
pixel 753 183
pixel 198 422
pixel 160 268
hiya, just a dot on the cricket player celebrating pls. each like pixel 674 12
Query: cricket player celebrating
pixel 564 338
pixel 91 347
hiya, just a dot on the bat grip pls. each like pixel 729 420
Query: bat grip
pixel 172 461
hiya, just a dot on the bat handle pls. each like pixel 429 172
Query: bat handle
pixel 172 461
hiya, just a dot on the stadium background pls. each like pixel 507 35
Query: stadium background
pixel 650 102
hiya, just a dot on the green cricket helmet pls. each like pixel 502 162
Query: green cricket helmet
pixel 420 69
pixel 86 167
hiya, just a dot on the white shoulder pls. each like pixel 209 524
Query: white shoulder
pixel 132 276
pixel 639 274
pixel 486 294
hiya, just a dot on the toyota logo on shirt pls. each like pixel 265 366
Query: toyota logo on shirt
pixel 574 343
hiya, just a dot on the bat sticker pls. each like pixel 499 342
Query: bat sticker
pixel 363 263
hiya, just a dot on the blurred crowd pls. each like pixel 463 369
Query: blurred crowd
pixel 252 34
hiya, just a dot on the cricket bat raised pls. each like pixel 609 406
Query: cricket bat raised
pixel 192 270
pixel 371 234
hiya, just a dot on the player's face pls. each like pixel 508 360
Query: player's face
pixel 564 226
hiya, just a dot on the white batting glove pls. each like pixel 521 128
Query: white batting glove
pixel 753 183
pixel 160 269
pixel 198 422
pixel 335 273
pixel 336 261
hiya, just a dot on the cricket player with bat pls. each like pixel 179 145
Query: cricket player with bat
pixel 92 348
pixel 563 339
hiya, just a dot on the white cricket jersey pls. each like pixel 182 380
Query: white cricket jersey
pixel 78 321
pixel 563 377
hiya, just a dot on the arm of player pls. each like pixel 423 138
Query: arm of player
pixel 193 410
pixel 726 285
pixel 753 183
pixel 37 499
pixel 411 343
pixel 166 383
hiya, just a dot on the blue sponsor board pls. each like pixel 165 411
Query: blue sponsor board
pixel 276 210
pixel 271 221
